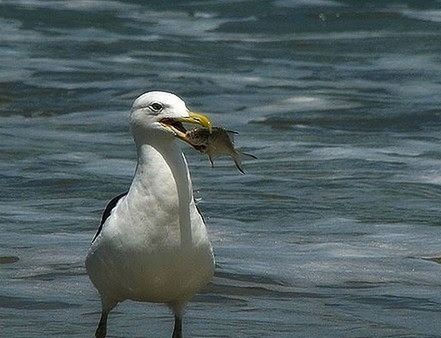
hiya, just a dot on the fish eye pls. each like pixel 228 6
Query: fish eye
pixel 156 107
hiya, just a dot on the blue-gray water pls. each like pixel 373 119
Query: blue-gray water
pixel 333 231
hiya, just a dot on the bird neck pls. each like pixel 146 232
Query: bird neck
pixel 161 174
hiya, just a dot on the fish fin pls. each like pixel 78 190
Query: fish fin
pixel 230 134
pixel 211 161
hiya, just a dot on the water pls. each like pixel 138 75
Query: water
pixel 333 232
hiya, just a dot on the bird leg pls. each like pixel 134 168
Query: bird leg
pixel 177 332
pixel 101 330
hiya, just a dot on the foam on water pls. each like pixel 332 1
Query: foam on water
pixel 428 15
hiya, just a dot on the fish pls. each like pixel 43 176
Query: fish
pixel 218 142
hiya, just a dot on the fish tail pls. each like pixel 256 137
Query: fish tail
pixel 238 159
pixel 211 161
pixel 249 156
pixel 238 162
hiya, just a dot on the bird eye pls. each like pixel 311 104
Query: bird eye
pixel 156 107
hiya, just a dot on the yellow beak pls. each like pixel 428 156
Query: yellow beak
pixel 197 118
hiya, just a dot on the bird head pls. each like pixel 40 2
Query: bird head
pixel 163 114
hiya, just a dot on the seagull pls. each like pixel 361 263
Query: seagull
pixel 152 244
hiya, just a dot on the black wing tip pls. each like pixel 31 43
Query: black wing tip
pixel 200 212
pixel 107 211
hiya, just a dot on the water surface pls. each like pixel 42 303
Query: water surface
pixel 334 230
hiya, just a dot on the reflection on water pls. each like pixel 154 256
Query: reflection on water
pixel 333 231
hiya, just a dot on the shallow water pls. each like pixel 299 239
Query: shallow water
pixel 334 230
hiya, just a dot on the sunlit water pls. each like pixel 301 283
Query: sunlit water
pixel 334 230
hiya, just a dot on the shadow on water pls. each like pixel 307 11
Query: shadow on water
pixel 33 304
pixel 8 259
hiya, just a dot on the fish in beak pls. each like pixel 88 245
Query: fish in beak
pixel 209 140
pixel 217 142
pixel 175 124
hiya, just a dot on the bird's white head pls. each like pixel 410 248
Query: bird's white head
pixel 161 114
